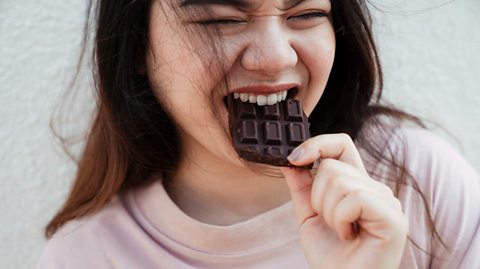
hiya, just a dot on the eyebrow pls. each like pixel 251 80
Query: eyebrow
pixel 238 4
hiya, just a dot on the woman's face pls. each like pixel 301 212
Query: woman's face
pixel 256 47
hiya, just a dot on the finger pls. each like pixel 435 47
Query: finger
pixel 372 214
pixel 333 179
pixel 332 198
pixel 347 212
pixel 335 146
pixel 299 182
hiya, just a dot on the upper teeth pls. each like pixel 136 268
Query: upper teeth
pixel 260 99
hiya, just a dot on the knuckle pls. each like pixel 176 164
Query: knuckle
pixel 400 225
pixel 327 165
pixel 340 185
pixel 398 204
pixel 328 169
pixel 386 189
pixel 359 194
pixel 346 138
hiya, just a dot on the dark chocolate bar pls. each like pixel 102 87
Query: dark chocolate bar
pixel 267 134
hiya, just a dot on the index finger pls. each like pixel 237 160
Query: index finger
pixel 335 146
pixel 299 182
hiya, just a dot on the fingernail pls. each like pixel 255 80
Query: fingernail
pixel 296 154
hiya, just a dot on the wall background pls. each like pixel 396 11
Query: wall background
pixel 431 61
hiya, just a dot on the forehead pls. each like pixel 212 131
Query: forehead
pixel 242 4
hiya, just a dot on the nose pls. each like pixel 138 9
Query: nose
pixel 268 49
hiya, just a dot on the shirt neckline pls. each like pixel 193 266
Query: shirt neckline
pixel 162 218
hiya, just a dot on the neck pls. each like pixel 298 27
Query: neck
pixel 213 191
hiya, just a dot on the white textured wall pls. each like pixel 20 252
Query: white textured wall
pixel 431 58
pixel 431 61
pixel 39 41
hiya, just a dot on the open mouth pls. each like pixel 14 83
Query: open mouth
pixel 263 100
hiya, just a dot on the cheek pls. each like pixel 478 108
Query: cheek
pixel 168 67
pixel 318 56
pixel 180 82
pixel 175 63
pixel 177 72
pixel 316 51
pixel 174 82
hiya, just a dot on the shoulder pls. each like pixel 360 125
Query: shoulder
pixel 431 167
pixel 82 243
pixel 421 151
pixel 437 167
pixel 440 178
pixel 429 156
pixel 450 186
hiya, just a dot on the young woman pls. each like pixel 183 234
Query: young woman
pixel 159 184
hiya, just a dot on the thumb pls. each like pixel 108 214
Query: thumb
pixel 299 182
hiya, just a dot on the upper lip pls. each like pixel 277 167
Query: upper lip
pixel 265 89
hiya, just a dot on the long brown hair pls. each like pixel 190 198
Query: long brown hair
pixel 132 137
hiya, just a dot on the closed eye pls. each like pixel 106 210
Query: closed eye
pixel 220 22
pixel 307 16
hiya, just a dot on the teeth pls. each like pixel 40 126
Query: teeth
pixel 272 99
pixel 244 97
pixel 260 99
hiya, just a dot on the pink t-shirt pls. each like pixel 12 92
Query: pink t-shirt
pixel 145 229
